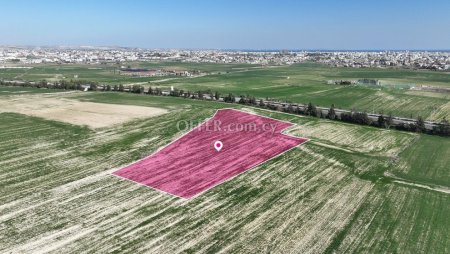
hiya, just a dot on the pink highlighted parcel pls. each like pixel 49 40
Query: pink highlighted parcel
pixel 191 165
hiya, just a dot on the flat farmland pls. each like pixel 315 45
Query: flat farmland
pixel 300 83
pixel 435 170
pixel 192 164
pixel 398 219
pixel 330 194
pixel 305 83
pixel 109 73
pixel 94 115
pixel 5 91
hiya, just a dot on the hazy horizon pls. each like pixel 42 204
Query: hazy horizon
pixel 228 49
pixel 229 25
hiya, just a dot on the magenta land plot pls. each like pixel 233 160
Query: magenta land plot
pixel 192 164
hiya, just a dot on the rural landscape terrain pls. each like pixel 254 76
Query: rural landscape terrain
pixel 225 126
pixel 349 189
pixel 398 93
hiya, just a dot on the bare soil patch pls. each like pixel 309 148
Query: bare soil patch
pixel 94 115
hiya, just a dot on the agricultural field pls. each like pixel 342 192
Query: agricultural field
pixel 24 90
pixel 435 170
pixel 349 188
pixel 199 161
pixel 300 83
pixel 94 115
pixel 109 73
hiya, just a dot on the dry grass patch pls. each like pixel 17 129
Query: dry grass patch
pixel 353 137
pixel 94 115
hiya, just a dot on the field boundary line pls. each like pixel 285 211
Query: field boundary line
pixel 207 119
pixel 402 181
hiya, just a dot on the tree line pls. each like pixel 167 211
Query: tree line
pixel 360 118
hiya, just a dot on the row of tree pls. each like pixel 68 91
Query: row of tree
pixel 63 84
pixel 361 118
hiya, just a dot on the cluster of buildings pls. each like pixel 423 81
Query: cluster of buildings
pixel 373 82
pixel 140 72
pixel 37 55
pixel 436 60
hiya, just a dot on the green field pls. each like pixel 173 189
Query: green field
pixel 24 90
pixel 301 83
pixel 433 170
pixel 329 195
pixel 108 73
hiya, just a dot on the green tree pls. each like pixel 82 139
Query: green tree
pixel 331 113
pixel 290 109
pixel 420 124
pixel 389 121
pixel 241 100
pixel 443 128
pixel 42 84
pixel 311 110
pixel 381 121
pixel 361 118
pixel 261 103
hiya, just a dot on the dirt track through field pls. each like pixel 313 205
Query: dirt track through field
pixel 58 194
pixel 64 199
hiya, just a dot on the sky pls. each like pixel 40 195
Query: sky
pixel 228 24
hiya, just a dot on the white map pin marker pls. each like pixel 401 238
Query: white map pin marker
pixel 218 145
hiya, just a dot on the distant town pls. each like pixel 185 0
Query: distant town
pixel 432 60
